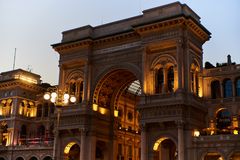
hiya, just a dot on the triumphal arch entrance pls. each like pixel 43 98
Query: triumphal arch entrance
pixel 138 87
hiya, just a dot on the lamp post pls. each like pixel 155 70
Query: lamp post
pixel 59 99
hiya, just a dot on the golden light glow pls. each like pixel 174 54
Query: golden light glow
pixel 68 147
pixel 102 110
pixel 95 107
pixel 212 132
pixel 25 78
pixel 196 133
pixel 158 142
pixel 53 94
pixel 235 132
pixel 115 113
pixel 235 122
pixel 73 99
pixel 46 96
pixel 66 96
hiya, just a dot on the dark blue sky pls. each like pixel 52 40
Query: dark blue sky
pixel 32 26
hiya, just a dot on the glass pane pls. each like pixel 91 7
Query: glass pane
pixel 238 87
pixel 228 88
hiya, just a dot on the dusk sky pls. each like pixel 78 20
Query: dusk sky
pixel 32 26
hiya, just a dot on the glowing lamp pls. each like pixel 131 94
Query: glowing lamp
pixel 196 133
pixel 235 132
pixel 53 94
pixel 66 96
pixel 53 100
pixel 115 113
pixel 95 107
pixel 46 96
pixel 73 99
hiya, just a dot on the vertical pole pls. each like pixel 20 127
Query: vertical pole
pixel 14 59
pixel 56 135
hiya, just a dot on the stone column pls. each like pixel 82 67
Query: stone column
pixel 233 88
pixel 221 89
pixel 83 144
pixel 85 82
pixel 143 142
pixel 165 80
pixel 180 146
pixel 1 135
pixel 180 65
pixel 92 148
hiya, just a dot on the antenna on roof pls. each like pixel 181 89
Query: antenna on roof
pixel 140 6
pixel 14 60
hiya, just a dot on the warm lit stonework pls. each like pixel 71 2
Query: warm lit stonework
pixel 141 92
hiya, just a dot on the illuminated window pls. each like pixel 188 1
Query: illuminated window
pixel 159 86
pixel 130 116
pixel 46 110
pixel 170 81
pixel 223 119
pixel 227 85
pixel 39 110
pixel 73 88
pixel 215 89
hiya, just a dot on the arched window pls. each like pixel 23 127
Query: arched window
pixel 223 119
pixel 41 131
pixel 39 110
pixel 159 81
pixel 170 79
pixel 47 158
pixel 23 134
pixel 19 158
pixel 52 108
pixel 215 89
pixel 73 88
pixel 238 87
pixel 194 75
pixel 227 85
pixel 46 108
pixel 33 158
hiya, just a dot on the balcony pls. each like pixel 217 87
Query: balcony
pixel 30 143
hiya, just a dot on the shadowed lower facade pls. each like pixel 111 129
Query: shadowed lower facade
pixel 141 91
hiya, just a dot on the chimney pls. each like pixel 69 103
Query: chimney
pixel 229 61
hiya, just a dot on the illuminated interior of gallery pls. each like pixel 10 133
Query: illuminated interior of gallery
pixel 134 89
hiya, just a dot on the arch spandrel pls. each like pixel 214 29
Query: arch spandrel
pixel 163 61
pixel 75 74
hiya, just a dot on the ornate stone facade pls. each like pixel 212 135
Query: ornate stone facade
pixel 143 94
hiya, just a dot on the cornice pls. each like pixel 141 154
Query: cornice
pixel 136 32
pixel 19 83
pixel 198 29
pixel 73 44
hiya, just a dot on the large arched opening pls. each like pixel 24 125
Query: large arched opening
pixel 165 149
pixel 116 96
pixel 72 151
